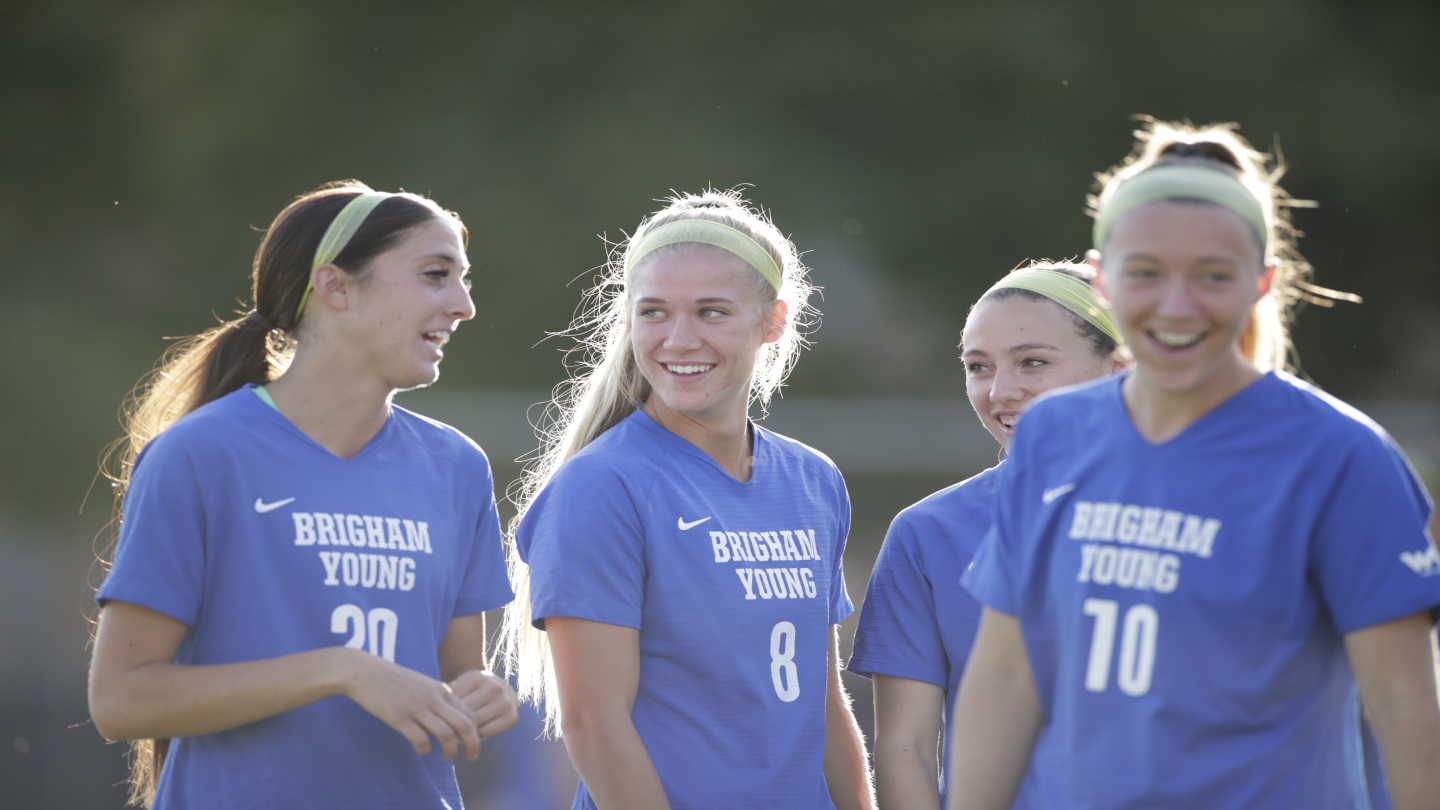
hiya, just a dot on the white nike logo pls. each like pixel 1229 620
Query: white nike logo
pixel 1051 494
pixel 683 525
pixel 262 507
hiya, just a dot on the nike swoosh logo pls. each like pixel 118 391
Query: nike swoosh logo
pixel 262 507
pixel 1051 494
pixel 683 525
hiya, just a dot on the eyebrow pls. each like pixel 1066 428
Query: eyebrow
pixel 1203 260
pixel 713 300
pixel 1022 348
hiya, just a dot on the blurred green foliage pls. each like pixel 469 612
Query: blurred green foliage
pixel 142 143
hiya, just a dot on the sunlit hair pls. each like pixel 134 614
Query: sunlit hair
pixel 606 386
pixel 252 349
pixel 1266 339
pixel 1101 344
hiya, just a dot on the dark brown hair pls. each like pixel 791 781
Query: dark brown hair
pixel 252 349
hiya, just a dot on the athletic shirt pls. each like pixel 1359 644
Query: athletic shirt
pixel 916 622
pixel 264 543
pixel 1183 604
pixel 733 587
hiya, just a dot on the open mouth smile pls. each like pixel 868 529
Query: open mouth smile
pixel 688 370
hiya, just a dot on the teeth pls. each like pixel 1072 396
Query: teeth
pixel 442 337
pixel 674 369
pixel 1177 339
pixel 1009 421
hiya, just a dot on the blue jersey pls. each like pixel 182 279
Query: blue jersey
pixel 1183 604
pixel 917 622
pixel 733 587
pixel 264 544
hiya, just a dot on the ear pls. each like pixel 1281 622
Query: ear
pixel 1092 258
pixel 777 322
pixel 331 286
pixel 1267 278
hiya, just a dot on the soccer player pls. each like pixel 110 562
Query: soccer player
pixel 295 608
pixel 1194 563
pixel 1039 328
pixel 685 563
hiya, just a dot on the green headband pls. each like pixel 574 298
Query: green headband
pixel 1066 290
pixel 707 232
pixel 1183 182
pixel 338 235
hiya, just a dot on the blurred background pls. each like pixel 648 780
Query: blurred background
pixel 915 150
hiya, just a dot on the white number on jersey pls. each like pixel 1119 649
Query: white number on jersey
pixel 783 672
pixel 1137 647
pixel 380 625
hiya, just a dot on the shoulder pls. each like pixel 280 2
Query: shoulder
pixel 959 506
pixel 1073 402
pixel 1328 420
pixel 625 455
pixel 801 454
pixel 213 429
pixel 437 438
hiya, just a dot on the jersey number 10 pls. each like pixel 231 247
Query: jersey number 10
pixel 1137 647
pixel 379 625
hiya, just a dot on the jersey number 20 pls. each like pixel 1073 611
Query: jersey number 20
pixel 782 662
pixel 380 625
pixel 1137 647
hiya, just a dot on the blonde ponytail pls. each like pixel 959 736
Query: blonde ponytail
pixel 607 387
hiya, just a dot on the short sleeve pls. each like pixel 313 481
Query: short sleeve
pixel 486 585
pixel 994 577
pixel 898 633
pixel 840 604
pixel 160 556
pixel 585 545
pixel 1371 555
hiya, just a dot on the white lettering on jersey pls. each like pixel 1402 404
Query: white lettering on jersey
pixel 362 531
pixel 778 583
pixel 1426 563
pixel 378 571
pixel 1129 568
pixel 1144 526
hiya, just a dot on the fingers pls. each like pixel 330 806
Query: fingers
pixel 492 701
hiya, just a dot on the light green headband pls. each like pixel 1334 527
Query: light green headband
pixel 338 235
pixel 1183 182
pixel 1066 290
pixel 707 232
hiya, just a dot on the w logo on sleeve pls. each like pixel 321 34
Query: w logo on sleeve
pixel 1425 563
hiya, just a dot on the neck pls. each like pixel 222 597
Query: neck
pixel 1161 413
pixel 724 437
pixel 332 399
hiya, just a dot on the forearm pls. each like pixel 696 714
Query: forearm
pixel 996 719
pixel 847 770
pixel 162 699
pixel 906 773
pixel 610 756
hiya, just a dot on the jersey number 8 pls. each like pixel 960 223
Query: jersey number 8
pixel 380 625
pixel 782 662
pixel 1137 647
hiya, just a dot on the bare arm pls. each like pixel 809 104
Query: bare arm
pixel 491 699
pixel 137 690
pixel 907 741
pixel 1393 665
pixel 597 669
pixel 847 768
pixel 996 719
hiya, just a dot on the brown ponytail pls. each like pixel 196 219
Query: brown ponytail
pixel 253 349
pixel 1266 338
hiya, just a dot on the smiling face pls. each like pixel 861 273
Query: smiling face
pixel 1182 278
pixel 697 320
pixel 401 313
pixel 1017 348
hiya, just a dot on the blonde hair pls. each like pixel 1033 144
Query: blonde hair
pixel 1266 339
pixel 609 387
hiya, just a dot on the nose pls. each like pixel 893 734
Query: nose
pixel 681 336
pixel 1175 303
pixel 1005 387
pixel 461 306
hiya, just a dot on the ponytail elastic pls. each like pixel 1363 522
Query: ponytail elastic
pixel 338 235
pixel 1067 291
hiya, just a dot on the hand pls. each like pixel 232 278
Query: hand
pixel 413 704
pixel 491 699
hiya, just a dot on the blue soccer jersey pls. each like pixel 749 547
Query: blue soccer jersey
pixel 264 544
pixel 916 622
pixel 1183 604
pixel 733 587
